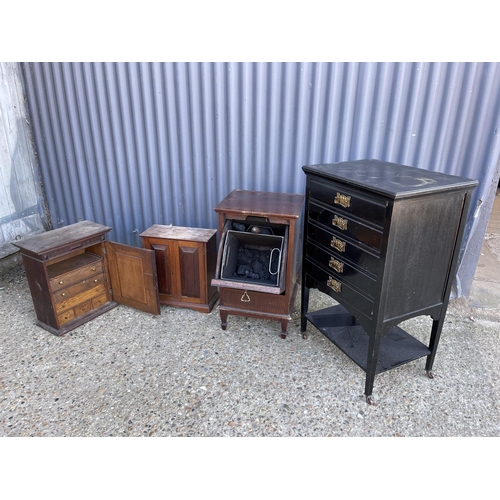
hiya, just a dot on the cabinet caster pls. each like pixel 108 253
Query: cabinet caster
pixel 430 374
pixel 305 336
pixel 370 400
pixel 283 335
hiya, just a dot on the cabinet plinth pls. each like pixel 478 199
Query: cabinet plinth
pixel 383 241
pixel 185 262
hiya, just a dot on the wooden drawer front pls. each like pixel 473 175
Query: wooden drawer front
pixel 74 270
pixel 99 301
pixel 73 246
pixel 344 248
pixel 339 289
pixel 348 202
pixel 341 269
pixel 66 316
pixel 80 298
pixel 78 288
pixel 344 225
pixel 253 301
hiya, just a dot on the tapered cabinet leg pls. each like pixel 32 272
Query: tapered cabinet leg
pixel 304 305
pixel 284 328
pixel 437 326
pixel 371 366
pixel 223 319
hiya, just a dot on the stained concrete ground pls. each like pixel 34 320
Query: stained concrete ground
pixel 127 373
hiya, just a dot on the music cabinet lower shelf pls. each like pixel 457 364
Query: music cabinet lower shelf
pixel 396 348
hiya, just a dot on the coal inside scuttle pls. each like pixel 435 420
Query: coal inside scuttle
pixel 253 254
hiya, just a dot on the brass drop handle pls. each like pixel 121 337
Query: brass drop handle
pixel 334 284
pixel 339 222
pixel 337 265
pixel 245 297
pixel 342 199
pixel 338 244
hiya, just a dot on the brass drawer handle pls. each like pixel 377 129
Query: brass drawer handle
pixel 337 265
pixel 61 282
pixel 94 268
pixel 245 297
pixel 342 199
pixel 338 244
pixel 96 281
pixel 63 294
pixel 334 284
pixel 339 222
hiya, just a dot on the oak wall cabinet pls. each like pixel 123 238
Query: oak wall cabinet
pixel 185 262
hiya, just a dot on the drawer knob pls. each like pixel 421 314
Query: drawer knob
pixel 337 265
pixel 63 294
pixel 61 282
pixel 334 284
pixel 245 297
pixel 339 222
pixel 338 244
pixel 96 280
pixel 342 199
pixel 94 268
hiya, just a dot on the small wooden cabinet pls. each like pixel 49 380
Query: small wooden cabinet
pixel 75 275
pixel 185 262
pixel 280 214
pixel 383 241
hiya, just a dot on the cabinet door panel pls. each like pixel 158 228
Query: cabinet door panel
pixel 189 268
pixel 133 277
pixel 163 268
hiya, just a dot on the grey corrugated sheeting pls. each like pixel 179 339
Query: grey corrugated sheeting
pixel 133 144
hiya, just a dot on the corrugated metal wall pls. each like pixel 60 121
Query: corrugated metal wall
pixel 133 144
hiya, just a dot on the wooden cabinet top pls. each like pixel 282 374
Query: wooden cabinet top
pixel 61 237
pixel 261 203
pixel 178 233
pixel 390 179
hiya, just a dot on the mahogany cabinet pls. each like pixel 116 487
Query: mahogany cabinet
pixel 383 241
pixel 185 262
pixel 243 214
pixel 74 275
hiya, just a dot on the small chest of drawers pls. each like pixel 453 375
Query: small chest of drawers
pixel 383 241
pixel 75 275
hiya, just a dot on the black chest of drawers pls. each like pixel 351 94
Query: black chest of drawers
pixel 383 241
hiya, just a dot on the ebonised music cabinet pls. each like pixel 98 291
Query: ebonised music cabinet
pixel 383 241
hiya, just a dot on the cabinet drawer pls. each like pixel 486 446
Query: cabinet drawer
pixel 253 301
pixel 66 316
pixel 343 224
pixel 348 202
pixel 74 270
pixel 338 289
pixel 340 268
pixel 73 290
pixel 344 248
pixel 80 298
